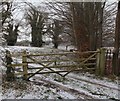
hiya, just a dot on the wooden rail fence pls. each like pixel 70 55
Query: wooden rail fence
pixel 60 63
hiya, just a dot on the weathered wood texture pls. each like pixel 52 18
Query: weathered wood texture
pixel 91 60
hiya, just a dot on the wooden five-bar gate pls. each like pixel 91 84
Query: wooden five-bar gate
pixel 61 63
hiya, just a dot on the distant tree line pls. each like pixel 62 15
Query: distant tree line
pixel 86 24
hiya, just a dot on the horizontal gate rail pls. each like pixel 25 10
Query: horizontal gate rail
pixel 43 66
pixel 65 53
pixel 62 66
pixel 74 61
pixel 63 71
pixel 17 65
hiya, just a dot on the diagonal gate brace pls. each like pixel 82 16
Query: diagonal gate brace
pixel 41 68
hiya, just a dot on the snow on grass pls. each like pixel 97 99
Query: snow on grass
pixel 17 49
pixel 30 92
pixel 2 53
pixel 105 81
pixel 34 91
pixel 95 91
pixel 33 50
pixel 66 95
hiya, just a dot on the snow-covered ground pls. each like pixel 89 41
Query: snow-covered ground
pixel 53 86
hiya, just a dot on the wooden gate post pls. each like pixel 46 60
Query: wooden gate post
pixel 10 70
pixel 98 62
pixel 25 65
pixel 102 61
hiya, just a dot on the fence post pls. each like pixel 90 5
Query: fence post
pixel 102 61
pixel 98 62
pixel 10 70
pixel 25 65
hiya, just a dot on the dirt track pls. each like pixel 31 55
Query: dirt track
pixel 72 91
pixel 102 85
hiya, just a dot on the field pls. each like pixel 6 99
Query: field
pixel 78 85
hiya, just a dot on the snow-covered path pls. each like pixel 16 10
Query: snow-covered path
pixel 82 86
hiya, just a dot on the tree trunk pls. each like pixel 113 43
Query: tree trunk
pixel 117 43
pixel 40 39
pixel 79 28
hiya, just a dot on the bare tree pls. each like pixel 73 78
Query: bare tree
pixel 116 64
pixel 10 30
pixel 84 20
pixel 62 11
pixel 88 17
pixel 109 16
pixel 11 38
pixel 6 10
pixel 36 19
pixel 56 29
pixel 5 13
